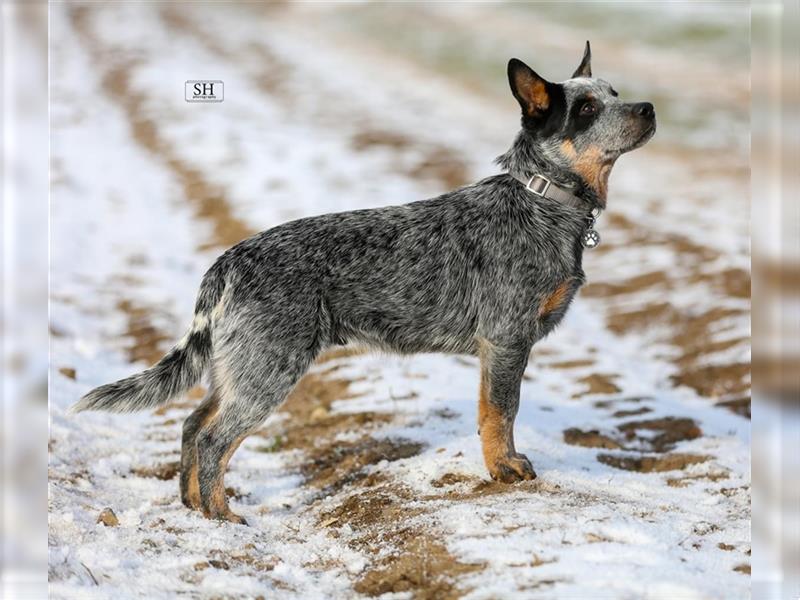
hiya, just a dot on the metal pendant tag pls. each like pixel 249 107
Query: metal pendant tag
pixel 590 239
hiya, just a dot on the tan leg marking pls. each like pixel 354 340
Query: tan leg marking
pixel 193 492
pixel 218 500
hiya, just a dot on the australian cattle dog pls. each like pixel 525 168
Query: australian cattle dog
pixel 488 270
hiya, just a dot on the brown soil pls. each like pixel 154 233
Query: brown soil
pixel 622 322
pixel 733 283
pixel 273 73
pixel 647 315
pixel 249 555
pixel 178 22
pixel 449 479
pixel 697 336
pixel 681 246
pixel 368 139
pixel 629 286
pixel 337 464
pixel 694 335
pixel 441 164
pixel 651 464
pixel 316 389
pixel 598 383
pixel 251 559
pixel 715 380
pixel 671 431
pixel 589 439
pixel 68 372
pixel 207 199
pixel 165 471
pixel 422 566
pixel 740 406
pixel 631 413
pixel 311 423
pixel 680 482
pixel 726 547
pixel 418 562
pixel 108 518
pixel 570 364
pixel 379 519
pixel 438 162
pixel 743 568
pixel 361 511
pixel 147 343
pixel 453 488
pixel 341 352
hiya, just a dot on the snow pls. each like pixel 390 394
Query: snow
pixel 583 529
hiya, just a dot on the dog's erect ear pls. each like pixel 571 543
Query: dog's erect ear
pixel 585 68
pixel 528 88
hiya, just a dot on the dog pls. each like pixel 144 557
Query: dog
pixel 487 270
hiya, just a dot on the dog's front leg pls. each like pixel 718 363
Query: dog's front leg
pixel 501 375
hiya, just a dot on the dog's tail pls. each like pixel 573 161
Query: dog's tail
pixel 178 370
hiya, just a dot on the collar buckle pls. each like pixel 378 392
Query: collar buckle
pixel 538 184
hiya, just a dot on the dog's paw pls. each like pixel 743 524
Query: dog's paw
pixel 236 519
pixel 227 515
pixel 512 469
pixel 192 502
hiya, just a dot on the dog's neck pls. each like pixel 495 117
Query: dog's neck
pixel 526 158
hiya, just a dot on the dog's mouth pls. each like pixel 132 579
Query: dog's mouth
pixel 643 138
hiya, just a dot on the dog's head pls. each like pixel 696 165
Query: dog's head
pixel 580 124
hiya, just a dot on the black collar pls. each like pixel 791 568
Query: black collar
pixel 540 185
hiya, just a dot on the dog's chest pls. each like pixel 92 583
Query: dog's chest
pixel 553 304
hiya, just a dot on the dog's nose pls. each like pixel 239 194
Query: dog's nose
pixel 644 109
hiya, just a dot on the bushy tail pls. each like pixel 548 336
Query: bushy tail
pixel 177 371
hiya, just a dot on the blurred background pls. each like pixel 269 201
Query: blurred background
pixel 23 429
pixel 679 210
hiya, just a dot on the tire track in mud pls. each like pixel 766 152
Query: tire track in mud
pixel 413 158
pixel 372 513
pixel 206 199
pixel 148 342
pixel 696 335
pixel 144 341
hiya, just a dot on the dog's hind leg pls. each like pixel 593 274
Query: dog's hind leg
pixel 216 444
pixel 248 394
pixel 190 488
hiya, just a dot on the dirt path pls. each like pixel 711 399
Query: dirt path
pixel 370 480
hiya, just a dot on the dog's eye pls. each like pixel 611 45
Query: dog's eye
pixel 588 108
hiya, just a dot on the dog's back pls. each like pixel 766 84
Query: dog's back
pixel 422 277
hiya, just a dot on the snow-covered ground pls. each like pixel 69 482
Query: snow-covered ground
pixel 370 480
